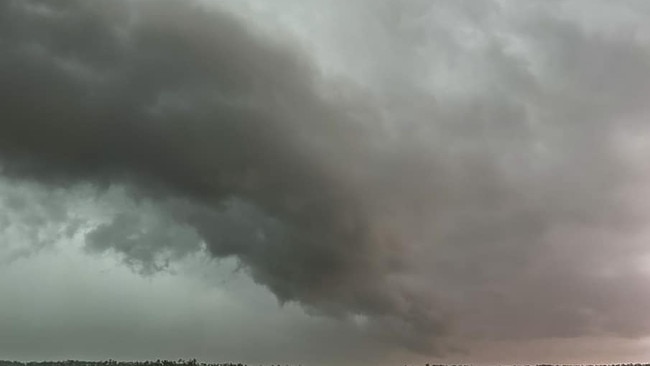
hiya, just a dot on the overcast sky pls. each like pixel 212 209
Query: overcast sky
pixel 325 182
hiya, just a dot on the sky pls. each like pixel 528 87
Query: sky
pixel 361 182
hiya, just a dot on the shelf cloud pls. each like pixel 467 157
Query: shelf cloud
pixel 449 184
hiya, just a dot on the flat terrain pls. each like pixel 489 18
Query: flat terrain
pixel 196 363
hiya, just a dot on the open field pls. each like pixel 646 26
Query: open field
pixel 196 363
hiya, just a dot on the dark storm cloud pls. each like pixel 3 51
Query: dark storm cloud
pixel 412 210
pixel 192 105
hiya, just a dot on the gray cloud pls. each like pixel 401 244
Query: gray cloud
pixel 192 105
pixel 502 210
